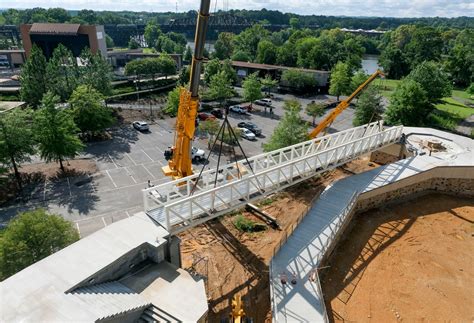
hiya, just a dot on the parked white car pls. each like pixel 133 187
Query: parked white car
pixel 238 109
pixel 141 125
pixel 265 102
pixel 197 154
pixel 247 134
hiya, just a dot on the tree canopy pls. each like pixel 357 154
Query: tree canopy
pixel 368 107
pixel 55 132
pixel 90 115
pixel 290 130
pixel 32 236
pixel 252 88
pixel 16 140
pixel 409 105
pixel 340 80
pixel 33 78
pixel 433 80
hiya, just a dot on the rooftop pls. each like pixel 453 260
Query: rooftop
pixel 93 278
pixel 273 67
pixel 58 29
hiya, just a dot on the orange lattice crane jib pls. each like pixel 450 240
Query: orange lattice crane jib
pixel 179 164
pixel 342 106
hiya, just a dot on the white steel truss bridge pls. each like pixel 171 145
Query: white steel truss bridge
pixel 190 201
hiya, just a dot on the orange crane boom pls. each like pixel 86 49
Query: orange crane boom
pixel 180 164
pixel 341 107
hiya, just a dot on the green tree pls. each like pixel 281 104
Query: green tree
pixel 89 113
pixel 32 236
pixel 220 87
pixel 136 67
pixel 224 46
pixel 184 75
pixel 286 55
pixel 211 127
pixel 96 72
pixel 394 62
pixel 16 140
pixel 295 23
pixel 241 56
pixel 109 41
pixel 188 55
pixel 252 88
pixel 33 78
pixel 248 39
pixel 172 102
pixel 460 62
pixel 56 132
pixel 268 84
pixel 470 89
pixel 340 80
pixel 409 105
pixel 226 67
pixel 358 79
pixel 290 130
pixel 133 44
pixel 211 68
pixel 152 32
pixel 300 81
pixel 167 65
pixel 315 110
pixel 266 52
pixel 368 107
pixel 62 73
pixel 432 79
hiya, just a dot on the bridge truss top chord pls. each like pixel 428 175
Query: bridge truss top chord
pixel 183 203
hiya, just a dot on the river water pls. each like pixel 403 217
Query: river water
pixel 370 63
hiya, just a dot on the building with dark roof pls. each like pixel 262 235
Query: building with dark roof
pixel 76 37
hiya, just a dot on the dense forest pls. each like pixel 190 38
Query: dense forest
pixel 17 16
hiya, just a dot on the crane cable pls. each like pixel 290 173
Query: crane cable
pixel 233 138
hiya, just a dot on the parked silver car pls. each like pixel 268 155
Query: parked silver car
pixel 141 125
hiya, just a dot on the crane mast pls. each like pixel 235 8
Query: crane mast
pixel 342 106
pixel 180 164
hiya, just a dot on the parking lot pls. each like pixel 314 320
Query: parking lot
pixel 126 163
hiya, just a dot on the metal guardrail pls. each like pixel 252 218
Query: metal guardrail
pixel 289 231
pixel 178 209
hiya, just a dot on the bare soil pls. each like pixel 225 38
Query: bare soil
pixel 127 116
pixel 39 172
pixel 52 171
pixel 409 262
pixel 236 263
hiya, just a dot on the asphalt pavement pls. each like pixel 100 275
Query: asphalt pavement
pixel 128 161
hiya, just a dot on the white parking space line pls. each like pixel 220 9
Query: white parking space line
pixel 69 186
pixel 103 220
pixel 78 230
pixel 113 161
pixel 131 158
pixel 148 171
pixel 111 178
pixel 126 212
pixel 44 190
pixel 147 155
pixel 161 151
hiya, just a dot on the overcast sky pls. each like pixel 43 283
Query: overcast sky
pixel 391 8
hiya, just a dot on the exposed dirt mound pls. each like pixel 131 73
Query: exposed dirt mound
pixel 413 261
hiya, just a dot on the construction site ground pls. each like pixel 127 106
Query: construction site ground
pixel 235 262
pixel 411 261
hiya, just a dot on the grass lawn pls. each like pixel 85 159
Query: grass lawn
pixel 447 114
pixel 387 86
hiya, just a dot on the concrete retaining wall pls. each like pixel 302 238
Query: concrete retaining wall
pixel 454 179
